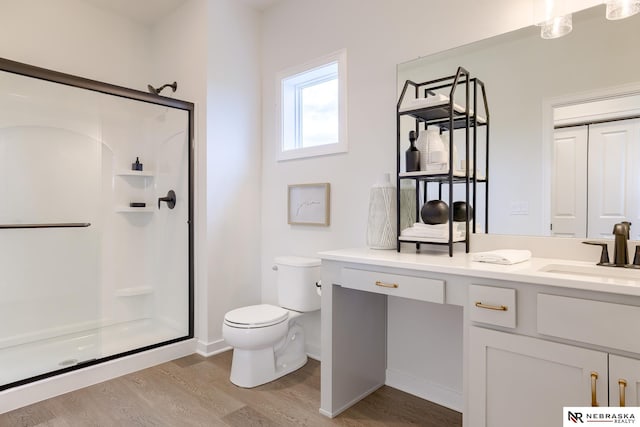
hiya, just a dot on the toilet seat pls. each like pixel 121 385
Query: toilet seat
pixel 256 316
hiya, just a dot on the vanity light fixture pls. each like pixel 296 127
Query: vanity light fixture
pixel 553 18
pixel 620 9
pixel 557 26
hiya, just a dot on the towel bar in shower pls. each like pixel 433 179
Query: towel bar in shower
pixel 53 225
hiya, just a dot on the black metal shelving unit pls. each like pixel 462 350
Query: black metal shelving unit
pixel 447 116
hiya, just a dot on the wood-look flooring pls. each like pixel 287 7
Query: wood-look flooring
pixel 196 391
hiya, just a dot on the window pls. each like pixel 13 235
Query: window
pixel 313 108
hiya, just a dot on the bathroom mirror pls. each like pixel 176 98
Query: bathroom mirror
pixel 526 77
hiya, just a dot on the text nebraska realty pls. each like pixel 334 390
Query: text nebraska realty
pixel 607 418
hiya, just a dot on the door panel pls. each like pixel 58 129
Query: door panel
pixel 613 156
pixel 569 183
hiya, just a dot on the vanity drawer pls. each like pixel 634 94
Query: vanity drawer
pixel 491 305
pixel 418 288
pixel 595 322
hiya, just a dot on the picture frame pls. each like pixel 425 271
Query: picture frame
pixel 308 204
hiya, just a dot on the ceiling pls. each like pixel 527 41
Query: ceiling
pixel 144 11
pixel 149 12
pixel 261 4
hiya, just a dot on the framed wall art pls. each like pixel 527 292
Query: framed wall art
pixel 308 204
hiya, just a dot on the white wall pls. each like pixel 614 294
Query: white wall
pixel 378 34
pixel 233 162
pixel 76 38
pixel 179 53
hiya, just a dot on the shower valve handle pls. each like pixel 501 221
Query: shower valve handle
pixel 170 199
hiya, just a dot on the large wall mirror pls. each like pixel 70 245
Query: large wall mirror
pixel 538 172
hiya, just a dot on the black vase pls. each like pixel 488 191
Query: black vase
pixel 461 211
pixel 435 212
pixel 412 154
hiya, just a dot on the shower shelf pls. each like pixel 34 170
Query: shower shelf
pixel 134 291
pixel 135 173
pixel 127 209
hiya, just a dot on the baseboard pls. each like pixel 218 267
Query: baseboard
pixel 350 403
pixel 436 393
pixel 27 394
pixel 211 348
pixel 313 351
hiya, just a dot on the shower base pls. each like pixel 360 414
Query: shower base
pixel 28 360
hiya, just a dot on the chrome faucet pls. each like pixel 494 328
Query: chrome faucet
pixel 620 251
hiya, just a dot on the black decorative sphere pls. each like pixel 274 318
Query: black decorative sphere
pixel 460 211
pixel 435 212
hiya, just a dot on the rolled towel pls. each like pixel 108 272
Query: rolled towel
pixel 502 256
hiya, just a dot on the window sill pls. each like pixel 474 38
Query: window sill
pixel 321 150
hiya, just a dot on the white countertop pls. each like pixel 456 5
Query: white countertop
pixel 461 264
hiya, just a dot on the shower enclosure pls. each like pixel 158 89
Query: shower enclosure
pixel 95 258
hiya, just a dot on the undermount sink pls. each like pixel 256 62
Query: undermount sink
pixel 594 271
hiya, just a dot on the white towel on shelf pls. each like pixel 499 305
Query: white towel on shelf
pixel 412 232
pixel 438 231
pixel 457 225
pixel 502 256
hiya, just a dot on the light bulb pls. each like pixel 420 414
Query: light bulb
pixel 557 26
pixel 620 9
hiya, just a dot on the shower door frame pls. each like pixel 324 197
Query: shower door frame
pixel 136 95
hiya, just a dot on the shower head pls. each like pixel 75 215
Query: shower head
pixel 157 91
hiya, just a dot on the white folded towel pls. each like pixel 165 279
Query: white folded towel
pixel 457 225
pixel 439 231
pixel 444 226
pixel 502 256
pixel 411 232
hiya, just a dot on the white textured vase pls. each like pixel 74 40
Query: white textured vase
pixel 381 226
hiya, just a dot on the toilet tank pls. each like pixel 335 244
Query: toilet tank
pixel 297 277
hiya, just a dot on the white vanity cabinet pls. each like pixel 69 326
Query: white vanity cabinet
pixel 514 377
pixel 532 343
pixel 624 381
pixel 532 378
pixel 524 381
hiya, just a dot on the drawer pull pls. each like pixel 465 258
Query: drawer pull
pixel 594 379
pixel 479 304
pixel 623 386
pixel 386 285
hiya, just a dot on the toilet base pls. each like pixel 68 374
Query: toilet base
pixel 251 368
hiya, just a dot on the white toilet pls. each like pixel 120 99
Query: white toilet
pixel 267 342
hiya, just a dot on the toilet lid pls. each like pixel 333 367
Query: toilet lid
pixel 256 316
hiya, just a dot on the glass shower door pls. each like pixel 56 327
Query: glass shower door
pixel 50 229
pixel 146 256
pixel 95 223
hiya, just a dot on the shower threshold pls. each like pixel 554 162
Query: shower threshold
pixel 35 358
